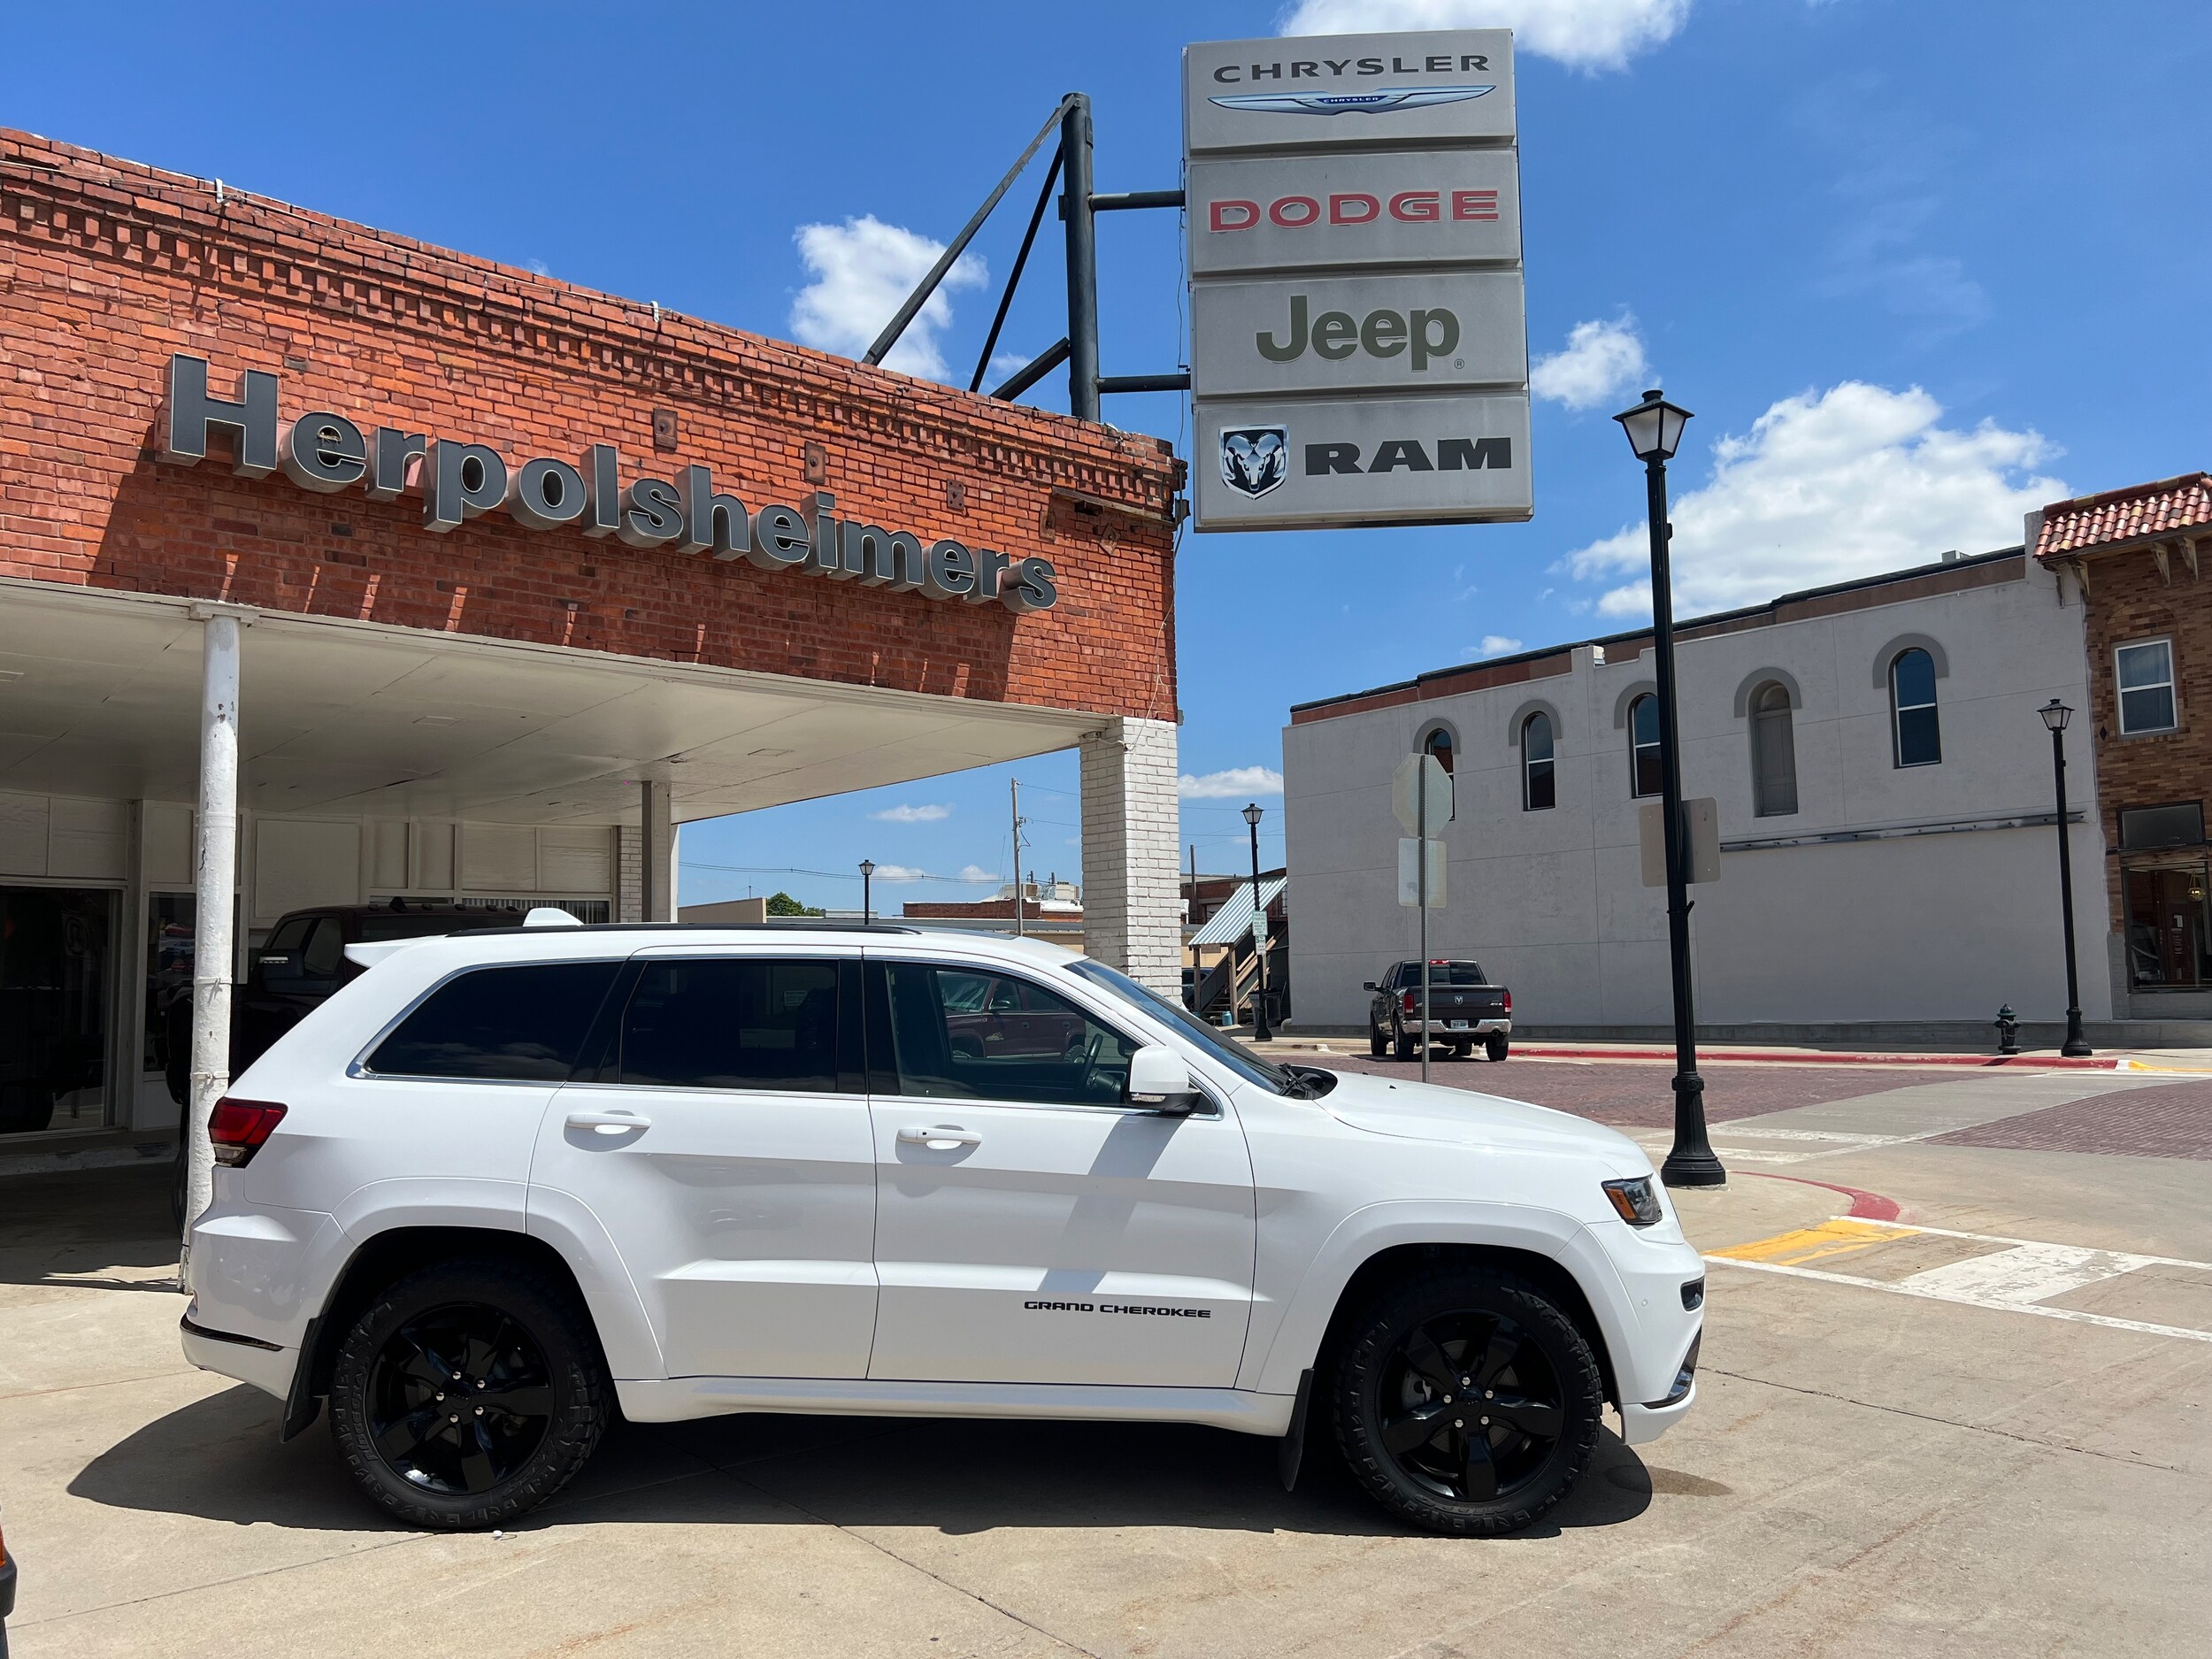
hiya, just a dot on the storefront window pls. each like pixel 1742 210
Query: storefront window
pixel 53 948
pixel 169 924
pixel 2169 942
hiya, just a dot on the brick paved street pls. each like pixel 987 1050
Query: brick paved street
pixel 1637 1096
pixel 2174 1121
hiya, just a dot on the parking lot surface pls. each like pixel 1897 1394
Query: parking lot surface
pixel 1985 1429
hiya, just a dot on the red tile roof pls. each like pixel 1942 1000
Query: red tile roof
pixel 2089 523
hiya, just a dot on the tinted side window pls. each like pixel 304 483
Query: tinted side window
pixel 520 1025
pixel 326 949
pixel 1038 1049
pixel 733 1022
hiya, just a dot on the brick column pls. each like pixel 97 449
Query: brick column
pixel 1132 902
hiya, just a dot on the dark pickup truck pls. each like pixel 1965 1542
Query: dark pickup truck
pixel 1465 1009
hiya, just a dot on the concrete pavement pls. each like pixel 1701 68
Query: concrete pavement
pixel 1867 1471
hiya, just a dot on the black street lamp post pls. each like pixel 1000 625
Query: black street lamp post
pixel 1253 814
pixel 2055 714
pixel 867 882
pixel 1654 431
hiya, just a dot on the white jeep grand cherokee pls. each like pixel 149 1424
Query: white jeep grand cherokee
pixel 506 1182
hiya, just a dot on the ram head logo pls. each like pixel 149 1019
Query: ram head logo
pixel 1255 459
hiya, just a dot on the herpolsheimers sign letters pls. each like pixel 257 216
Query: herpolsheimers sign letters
pixel 1359 348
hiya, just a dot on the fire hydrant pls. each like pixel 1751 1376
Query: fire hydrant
pixel 2007 1031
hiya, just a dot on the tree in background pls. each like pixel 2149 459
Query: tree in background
pixel 784 904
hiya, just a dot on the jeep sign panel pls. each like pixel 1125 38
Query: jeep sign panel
pixel 1359 341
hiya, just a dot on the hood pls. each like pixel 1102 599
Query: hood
pixel 1426 1111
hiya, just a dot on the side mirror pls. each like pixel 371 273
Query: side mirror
pixel 1160 1080
pixel 1369 984
pixel 280 965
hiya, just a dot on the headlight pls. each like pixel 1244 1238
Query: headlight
pixel 1637 1201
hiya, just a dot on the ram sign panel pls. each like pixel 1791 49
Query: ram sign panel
pixel 1270 463
pixel 1359 341
pixel 1425 332
pixel 1447 85
pixel 1403 208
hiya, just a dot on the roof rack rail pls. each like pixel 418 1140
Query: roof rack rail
pixel 787 925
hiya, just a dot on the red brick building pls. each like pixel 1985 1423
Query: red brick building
pixel 521 577
pixel 2136 556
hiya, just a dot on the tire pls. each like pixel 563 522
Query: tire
pixel 1502 1335
pixel 1401 1044
pixel 1463 1051
pixel 1377 1045
pixel 1498 1048
pixel 500 1324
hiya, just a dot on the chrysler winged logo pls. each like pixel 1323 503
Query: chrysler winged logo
pixel 1255 459
pixel 1338 102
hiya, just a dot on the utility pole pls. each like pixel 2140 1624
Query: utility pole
pixel 1014 788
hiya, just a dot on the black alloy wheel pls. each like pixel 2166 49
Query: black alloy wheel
pixel 467 1394
pixel 1467 1401
pixel 1377 1045
pixel 458 1399
pixel 1497 1048
pixel 1401 1043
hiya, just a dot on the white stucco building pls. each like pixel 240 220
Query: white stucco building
pixel 1885 798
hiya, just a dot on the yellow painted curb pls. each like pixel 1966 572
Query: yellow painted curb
pixel 1809 1244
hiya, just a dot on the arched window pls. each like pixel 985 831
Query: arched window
pixel 1643 745
pixel 1917 739
pixel 1773 752
pixel 1438 743
pixel 1539 791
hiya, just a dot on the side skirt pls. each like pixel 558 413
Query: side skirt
pixel 681 1398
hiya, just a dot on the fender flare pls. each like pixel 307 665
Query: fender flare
pixel 1369 1231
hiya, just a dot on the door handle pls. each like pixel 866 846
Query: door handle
pixel 608 1123
pixel 941 1135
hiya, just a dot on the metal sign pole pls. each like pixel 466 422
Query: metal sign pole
pixel 1421 850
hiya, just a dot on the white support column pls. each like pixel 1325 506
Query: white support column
pixel 1132 899
pixel 658 847
pixel 215 866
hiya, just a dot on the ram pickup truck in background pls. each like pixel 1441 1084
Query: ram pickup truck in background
pixel 1465 1009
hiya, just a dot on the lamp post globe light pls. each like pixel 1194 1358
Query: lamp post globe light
pixel 1655 432
pixel 2055 714
pixel 1253 813
pixel 867 882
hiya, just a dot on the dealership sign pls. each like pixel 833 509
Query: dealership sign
pixel 1359 341
pixel 327 452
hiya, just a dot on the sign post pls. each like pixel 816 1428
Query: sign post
pixel 1359 340
pixel 1421 795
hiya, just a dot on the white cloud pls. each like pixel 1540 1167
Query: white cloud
pixel 863 270
pixel 1581 34
pixel 1221 786
pixel 904 814
pixel 978 873
pixel 1603 362
pixel 1497 645
pixel 901 872
pixel 1827 487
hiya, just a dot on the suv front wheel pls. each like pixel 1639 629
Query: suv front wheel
pixel 468 1393
pixel 1465 1401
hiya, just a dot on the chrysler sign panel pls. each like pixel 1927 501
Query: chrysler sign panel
pixel 1270 463
pixel 1359 348
pixel 1448 85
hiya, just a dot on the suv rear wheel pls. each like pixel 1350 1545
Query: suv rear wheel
pixel 1465 1401
pixel 468 1393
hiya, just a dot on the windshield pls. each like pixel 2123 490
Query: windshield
pixel 1231 1053
pixel 1443 973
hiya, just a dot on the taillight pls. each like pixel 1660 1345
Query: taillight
pixel 1411 1007
pixel 238 1127
pixel 1509 1001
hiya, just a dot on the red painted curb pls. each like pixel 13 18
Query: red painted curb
pixel 1538 1051
pixel 1865 1206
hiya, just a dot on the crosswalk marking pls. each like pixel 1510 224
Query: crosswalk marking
pixel 2015 1275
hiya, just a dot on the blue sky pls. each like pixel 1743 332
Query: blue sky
pixel 1914 266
